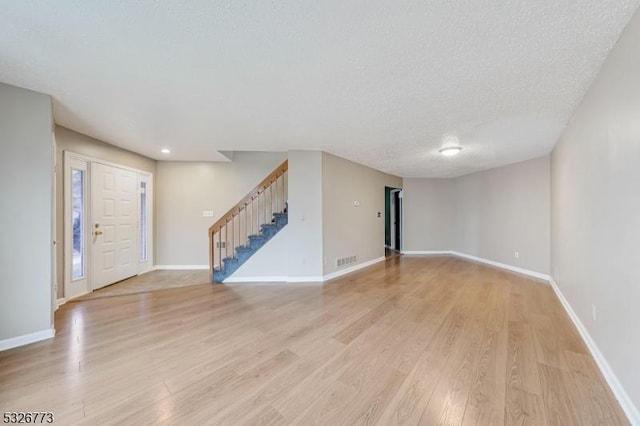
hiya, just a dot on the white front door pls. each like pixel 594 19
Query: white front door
pixel 114 225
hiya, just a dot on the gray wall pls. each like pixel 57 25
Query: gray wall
pixel 26 184
pixel 185 189
pixel 490 214
pixel 595 219
pixel 305 214
pixel 68 140
pixel 428 214
pixel 349 230
pixel 504 210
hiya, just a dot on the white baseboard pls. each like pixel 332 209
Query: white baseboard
pixel 310 279
pixel 60 302
pixel 359 266
pixel 481 260
pixel 427 252
pixel 232 280
pixel 179 267
pixel 616 387
pixel 14 342
pixel 301 280
pixel 502 265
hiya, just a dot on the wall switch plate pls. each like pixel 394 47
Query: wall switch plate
pixel 356 203
pixel 207 213
pixel 593 312
pixel 516 255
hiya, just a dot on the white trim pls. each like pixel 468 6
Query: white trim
pixel 310 279
pixel 352 269
pixel 503 266
pixel 633 415
pixel 91 159
pixel 231 280
pixel 147 265
pixel 180 267
pixel 434 252
pixel 76 287
pixel 61 302
pixel 26 339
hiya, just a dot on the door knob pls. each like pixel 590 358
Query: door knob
pixel 96 233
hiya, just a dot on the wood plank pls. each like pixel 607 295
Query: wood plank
pixel 407 341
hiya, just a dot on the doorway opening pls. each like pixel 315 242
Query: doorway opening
pixel 393 221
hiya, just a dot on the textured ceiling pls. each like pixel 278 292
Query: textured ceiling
pixel 377 82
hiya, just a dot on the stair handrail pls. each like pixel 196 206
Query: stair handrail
pixel 259 188
pixel 247 200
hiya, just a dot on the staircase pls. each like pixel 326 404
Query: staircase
pixel 248 225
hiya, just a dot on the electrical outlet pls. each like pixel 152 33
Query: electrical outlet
pixel 516 254
pixel 593 311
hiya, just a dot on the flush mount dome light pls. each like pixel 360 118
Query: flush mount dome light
pixel 165 151
pixel 450 150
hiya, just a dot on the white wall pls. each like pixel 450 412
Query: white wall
pixel 26 185
pixel 349 230
pixel 504 210
pixel 185 189
pixel 595 219
pixel 490 214
pixel 428 214
pixel 305 215
pixel 270 263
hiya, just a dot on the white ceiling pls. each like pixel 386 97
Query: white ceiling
pixel 377 82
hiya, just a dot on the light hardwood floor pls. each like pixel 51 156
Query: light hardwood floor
pixel 151 281
pixel 410 340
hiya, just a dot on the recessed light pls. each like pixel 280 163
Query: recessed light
pixel 165 151
pixel 450 150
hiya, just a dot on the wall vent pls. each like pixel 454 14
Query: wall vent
pixel 345 261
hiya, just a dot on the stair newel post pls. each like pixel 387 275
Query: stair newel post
pixel 270 209
pixel 277 194
pixel 212 253
pixel 220 249
pixel 285 189
pixel 274 199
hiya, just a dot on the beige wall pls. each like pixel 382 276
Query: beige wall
pixel 185 189
pixel 595 219
pixel 428 214
pixel 504 210
pixel 348 230
pixel 68 140
pixel 26 185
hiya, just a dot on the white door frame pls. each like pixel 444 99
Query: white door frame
pixel 78 288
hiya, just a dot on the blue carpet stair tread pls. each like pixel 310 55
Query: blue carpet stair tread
pixel 243 253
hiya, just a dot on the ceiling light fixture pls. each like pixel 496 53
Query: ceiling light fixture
pixel 450 150
pixel 165 151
